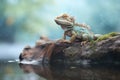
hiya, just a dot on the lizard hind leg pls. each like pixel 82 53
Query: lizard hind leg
pixel 85 39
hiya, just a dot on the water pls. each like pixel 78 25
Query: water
pixel 12 70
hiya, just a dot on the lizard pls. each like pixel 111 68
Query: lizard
pixel 69 25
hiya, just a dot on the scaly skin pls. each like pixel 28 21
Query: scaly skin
pixel 68 24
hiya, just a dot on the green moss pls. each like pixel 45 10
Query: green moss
pixel 92 42
pixel 106 36
pixel 113 34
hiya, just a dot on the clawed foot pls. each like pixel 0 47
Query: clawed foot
pixel 65 41
pixel 83 43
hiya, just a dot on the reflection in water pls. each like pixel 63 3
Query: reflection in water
pixel 11 70
pixel 73 72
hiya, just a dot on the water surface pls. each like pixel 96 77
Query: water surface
pixel 12 70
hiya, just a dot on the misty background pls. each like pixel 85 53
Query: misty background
pixel 22 22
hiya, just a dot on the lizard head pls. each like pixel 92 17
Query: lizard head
pixel 65 20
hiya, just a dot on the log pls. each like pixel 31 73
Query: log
pixel 106 49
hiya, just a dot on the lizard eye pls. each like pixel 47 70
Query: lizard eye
pixel 65 15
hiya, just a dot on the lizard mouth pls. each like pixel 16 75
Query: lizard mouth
pixel 63 22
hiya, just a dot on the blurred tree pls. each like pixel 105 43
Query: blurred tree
pixel 6 31
pixel 19 17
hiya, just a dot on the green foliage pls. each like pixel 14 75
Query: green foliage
pixel 19 18
pixel 25 11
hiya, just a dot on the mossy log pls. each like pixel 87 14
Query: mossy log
pixel 106 49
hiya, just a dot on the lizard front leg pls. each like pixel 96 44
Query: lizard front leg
pixel 73 37
pixel 64 36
